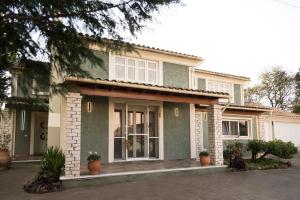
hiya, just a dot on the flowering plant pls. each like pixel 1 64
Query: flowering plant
pixel 5 139
pixel 93 156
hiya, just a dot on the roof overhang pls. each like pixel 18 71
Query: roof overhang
pixel 121 89
pixel 238 109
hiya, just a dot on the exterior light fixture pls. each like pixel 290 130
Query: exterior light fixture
pixel 89 106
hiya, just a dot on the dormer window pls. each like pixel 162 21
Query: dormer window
pixel 136 70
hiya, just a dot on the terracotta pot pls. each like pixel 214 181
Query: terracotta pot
pixel 205 160
pixel 4 159
pixel 94 167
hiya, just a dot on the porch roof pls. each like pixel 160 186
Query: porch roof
pixel 240 108
pixel 114 88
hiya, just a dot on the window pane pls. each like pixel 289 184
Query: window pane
pixel 141 70
pixel 243 128
pixel 139 121
pixel 153 124
pixel 233 128
pixel 130 122
pixel 120 72
pixel 152 76
pixel 131 73
pixel 131 62
pixel 119 148
pixel 153 147
pixel 136 146
pixel 118 123
pixel 225 127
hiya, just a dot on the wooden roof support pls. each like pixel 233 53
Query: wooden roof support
pixel 148 96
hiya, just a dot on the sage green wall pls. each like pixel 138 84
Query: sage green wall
pixel 175 75
pixel 201 84
pixel 98 71
pixel 94 128
pixel 22 137
pixel 176 131
pixel 237 94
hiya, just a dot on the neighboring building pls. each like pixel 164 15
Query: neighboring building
pixel 150 104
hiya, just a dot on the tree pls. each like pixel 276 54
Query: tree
pixel 296 107
pixel 276 88
pixel 53 30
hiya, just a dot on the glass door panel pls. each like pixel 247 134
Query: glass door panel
pixel 119 134
pixel 153 134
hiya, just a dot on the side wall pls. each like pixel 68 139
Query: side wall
pixel 175 75
pixel 176 131
pixel 94 128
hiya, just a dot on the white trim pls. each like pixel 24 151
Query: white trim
pixel 111 108
pixel 242 95
pixel 140 172
pixel 160 73
pixel 161 130
pixel 192 131
pixel 32 127
pixel 250 131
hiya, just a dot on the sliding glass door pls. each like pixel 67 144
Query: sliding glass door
pixel 136 132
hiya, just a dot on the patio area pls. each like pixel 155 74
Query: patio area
pixel 139 166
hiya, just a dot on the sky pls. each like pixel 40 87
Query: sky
pixel 241 37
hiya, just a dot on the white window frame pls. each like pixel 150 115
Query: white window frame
pixel 231 92
pixel 250 135
pixel 39 92
pixel 136 69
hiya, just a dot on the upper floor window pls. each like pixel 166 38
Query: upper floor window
pixel 136 70
pixel 220 87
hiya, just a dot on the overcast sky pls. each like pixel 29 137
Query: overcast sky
pixel 233 36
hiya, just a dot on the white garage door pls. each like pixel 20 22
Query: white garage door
pixel 287 132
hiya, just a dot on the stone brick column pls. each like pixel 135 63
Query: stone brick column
pixel 7 125
pixel 215 142
pixel 198 132
pixel 72 132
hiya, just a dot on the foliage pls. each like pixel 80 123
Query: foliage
pixel 276 88
pixel 5 139
pixel 93 156
pixel 203 153
pixel 281 149
pixel 296 107
pixel 53 31
pixel 52 167
pixel 53 163
pixel 234 152
pixel 265 164
pixel 256 147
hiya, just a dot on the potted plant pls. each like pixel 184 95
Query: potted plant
pixel 204 158
pixel 94 163
pixel 5 159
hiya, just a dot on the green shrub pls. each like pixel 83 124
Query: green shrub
pixel 256 147
pixel 53 163
pixel 93 156
pixel 203 153
pixel 234 152
pixel 281 149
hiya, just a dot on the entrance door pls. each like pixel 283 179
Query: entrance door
pixel 40 132
pixel 22 135
pixel 135 132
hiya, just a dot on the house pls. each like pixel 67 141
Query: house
pixel 149 104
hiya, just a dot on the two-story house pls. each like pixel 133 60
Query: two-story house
pixel 149 104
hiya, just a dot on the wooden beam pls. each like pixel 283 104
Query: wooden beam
pixel 146 96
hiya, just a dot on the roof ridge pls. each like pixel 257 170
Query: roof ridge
pixel 221 73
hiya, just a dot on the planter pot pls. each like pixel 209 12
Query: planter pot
pixel 4 159
pixel 205 160
pixel 94 167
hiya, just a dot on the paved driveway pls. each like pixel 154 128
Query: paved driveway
pixel 256 185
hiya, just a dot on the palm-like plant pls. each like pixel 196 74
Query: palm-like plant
pixel 53 162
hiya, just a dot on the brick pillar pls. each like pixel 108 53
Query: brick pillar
pixel 215 142
pixel 7 125
pixel 73 126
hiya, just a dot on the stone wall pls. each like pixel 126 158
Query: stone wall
pixel 7 124
pixel 72 130
pixel 215 142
